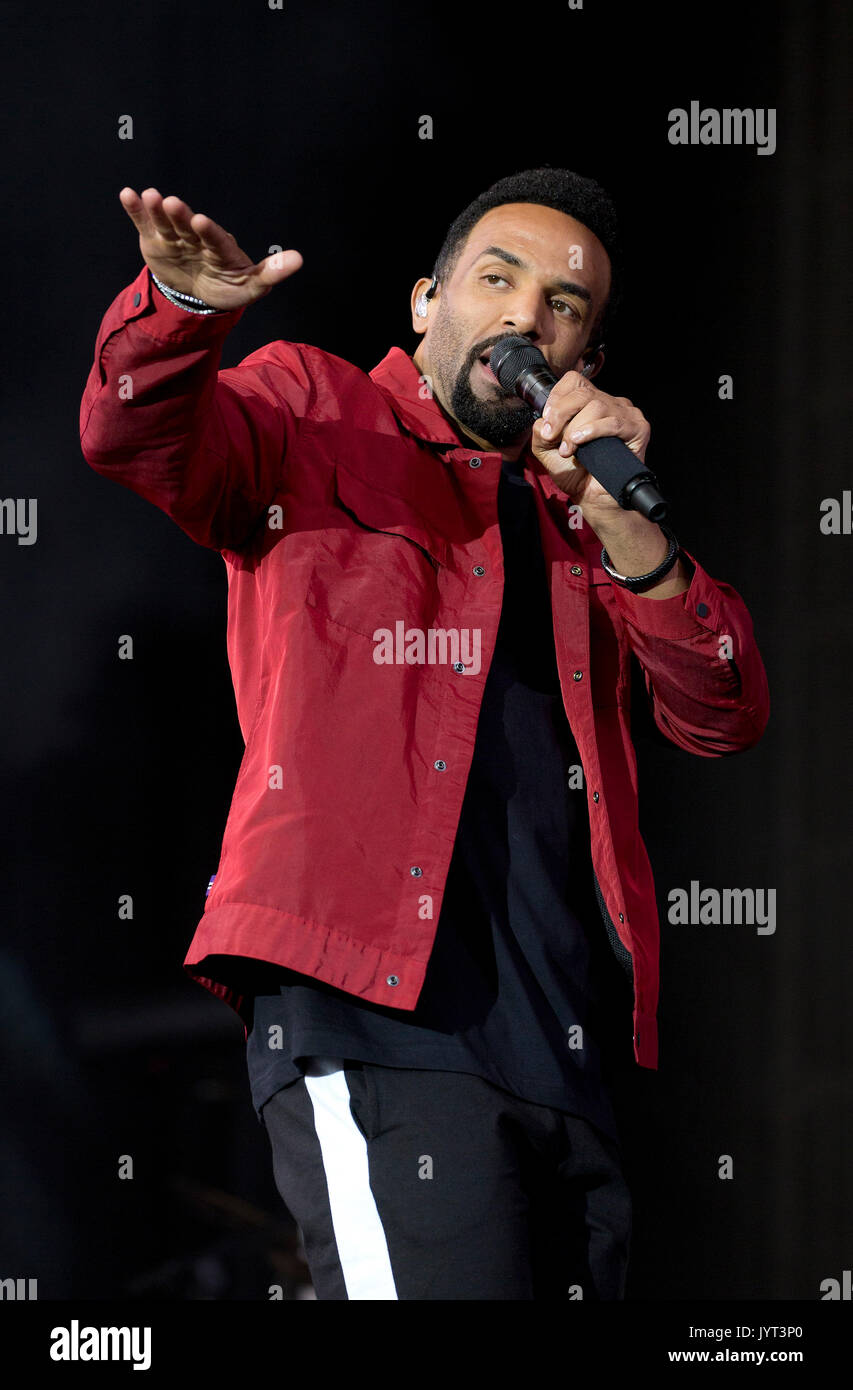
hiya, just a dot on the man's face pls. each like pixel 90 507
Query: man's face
pixel 524 269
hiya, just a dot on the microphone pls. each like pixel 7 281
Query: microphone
pixel 521 367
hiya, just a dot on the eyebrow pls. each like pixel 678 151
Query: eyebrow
pixel 567 286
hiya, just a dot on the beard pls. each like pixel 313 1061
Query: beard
pixel 501 419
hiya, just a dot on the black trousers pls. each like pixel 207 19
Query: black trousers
pixel 414 1184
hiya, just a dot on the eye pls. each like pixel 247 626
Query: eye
pixel 572 311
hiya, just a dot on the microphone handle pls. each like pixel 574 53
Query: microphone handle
pixel 612 464
pixel 609 460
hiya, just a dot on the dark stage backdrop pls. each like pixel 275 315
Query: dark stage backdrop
pixel 302 126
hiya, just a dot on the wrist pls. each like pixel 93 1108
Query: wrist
pixel 189 302
pixel 676 582
pixel 634 544
pixel 657 573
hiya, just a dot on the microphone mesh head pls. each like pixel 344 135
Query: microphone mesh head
pixel 510 356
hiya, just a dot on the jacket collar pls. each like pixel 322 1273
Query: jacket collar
pixel 399 379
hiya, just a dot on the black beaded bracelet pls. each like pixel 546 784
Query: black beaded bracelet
pixel 636 583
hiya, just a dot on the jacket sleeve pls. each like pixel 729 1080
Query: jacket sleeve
pixel 703 672
pixel 205 446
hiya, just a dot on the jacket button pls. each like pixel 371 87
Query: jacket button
pixel 137 300
pixel 416 872
pixel 474 463
pixel 392 979
pixel 479 569
pixel 595 796
pixel 439 764
pixel 702 609
pixel 577 675
pixel 457 666
pixel 576 569
pixel 621 917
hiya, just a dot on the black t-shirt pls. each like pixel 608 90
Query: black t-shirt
pixel 521 984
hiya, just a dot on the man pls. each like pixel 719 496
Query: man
pixel 433 909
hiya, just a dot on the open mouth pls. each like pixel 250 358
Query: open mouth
pixel 484 363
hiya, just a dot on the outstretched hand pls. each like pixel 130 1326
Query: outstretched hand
pixel 190 252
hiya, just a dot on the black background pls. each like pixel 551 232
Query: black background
pixel 299 127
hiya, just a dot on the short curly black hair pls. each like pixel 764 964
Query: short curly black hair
pixel 578 197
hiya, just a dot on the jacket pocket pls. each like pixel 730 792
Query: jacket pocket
pixel 378 564
pixel 389 512
pixel 362 1089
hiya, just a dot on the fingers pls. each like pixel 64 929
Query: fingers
pixel 577 412
pixel 593 422
pixel 171 217
pixel 136 210
pixel 192 238
pixel 572 394
pixel 180 219
pixel 210 235
pixel 152 214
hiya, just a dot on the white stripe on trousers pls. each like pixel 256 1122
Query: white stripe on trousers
pixel 360 1238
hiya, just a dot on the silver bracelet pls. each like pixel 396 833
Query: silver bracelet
pixel 178 298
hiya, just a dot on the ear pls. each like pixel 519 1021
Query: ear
pixel 597 359
pixel 420 322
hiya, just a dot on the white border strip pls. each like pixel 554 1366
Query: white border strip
pixel 362 1247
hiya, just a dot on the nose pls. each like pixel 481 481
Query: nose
pixel 524 314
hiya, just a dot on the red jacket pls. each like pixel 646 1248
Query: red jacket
pixel 344 502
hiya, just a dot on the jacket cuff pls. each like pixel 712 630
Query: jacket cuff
pixel 143 304
pixel 690 614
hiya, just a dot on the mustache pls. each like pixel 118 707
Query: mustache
pixel 484 347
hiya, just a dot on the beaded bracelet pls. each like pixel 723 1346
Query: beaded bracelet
pixel 182 300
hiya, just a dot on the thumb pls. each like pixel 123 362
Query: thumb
pixel 278 266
